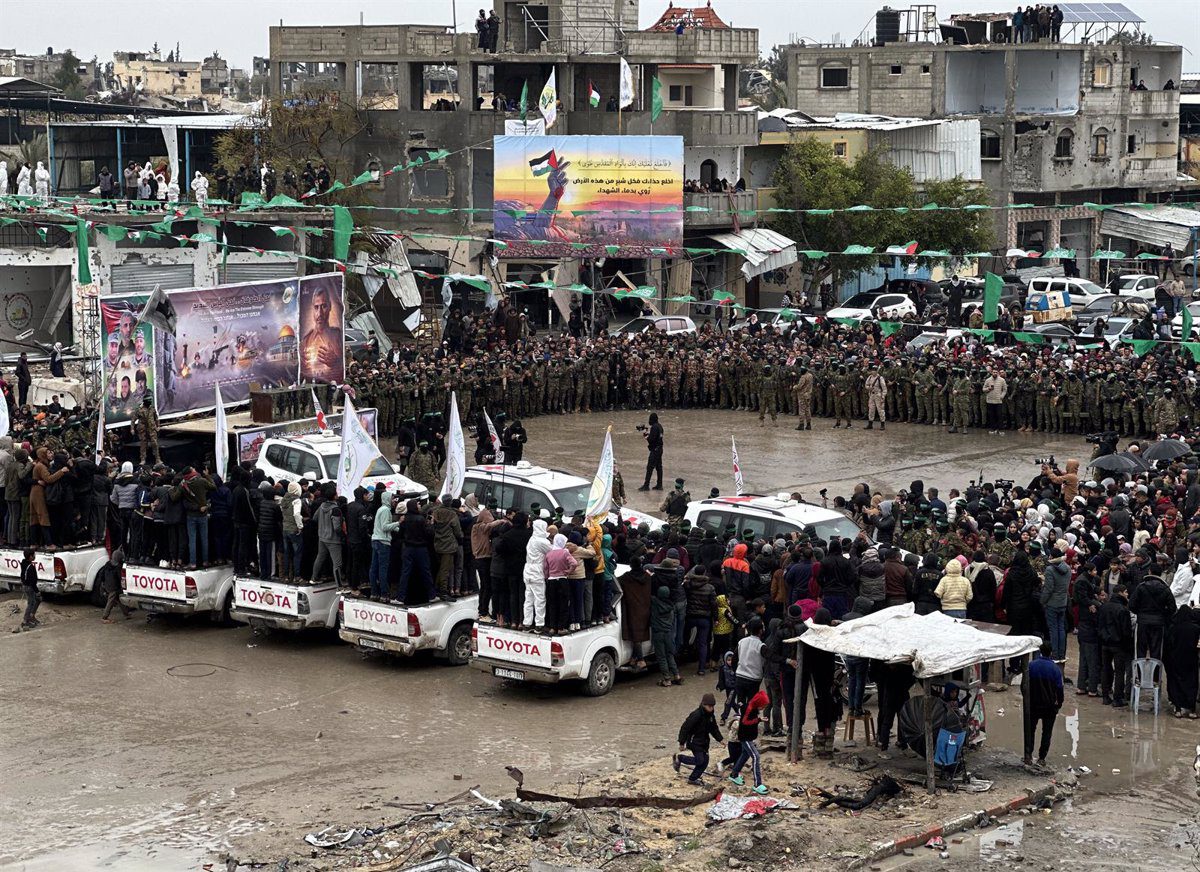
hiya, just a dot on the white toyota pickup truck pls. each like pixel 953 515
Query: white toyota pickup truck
pixel 285 605
pixel 68 571
pixel 592 655
pixel 157 590
pixel 443 627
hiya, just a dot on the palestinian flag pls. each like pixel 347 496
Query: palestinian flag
pixel 593 95
pixel 543 165
pixel 905 250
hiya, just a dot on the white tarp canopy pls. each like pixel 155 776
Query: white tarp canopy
pixel 763 249
pixel 934 644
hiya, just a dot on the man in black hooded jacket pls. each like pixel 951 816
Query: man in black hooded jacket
pixel 1154 606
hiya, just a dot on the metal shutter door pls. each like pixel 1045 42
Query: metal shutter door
pixel 234 273
pixel 130 278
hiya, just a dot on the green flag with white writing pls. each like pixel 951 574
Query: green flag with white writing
pixel 656 102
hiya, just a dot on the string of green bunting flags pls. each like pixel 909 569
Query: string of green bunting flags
pixel 251 201
pixel 343 229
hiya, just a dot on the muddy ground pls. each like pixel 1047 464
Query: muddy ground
pixel 161 745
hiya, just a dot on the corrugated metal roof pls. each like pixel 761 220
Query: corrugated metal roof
pixel 1156 226
pixel 19 85
pixel 764 249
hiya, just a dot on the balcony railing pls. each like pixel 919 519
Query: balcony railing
pixel 1149 170
pixel 722 208
pixel 1154 102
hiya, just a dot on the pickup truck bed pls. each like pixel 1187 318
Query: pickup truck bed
pixel 592 655
pixel 71 570
pixel 443 627
pixel 157 590
pixel 282 605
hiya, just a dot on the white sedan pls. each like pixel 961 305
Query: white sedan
pixel 875 307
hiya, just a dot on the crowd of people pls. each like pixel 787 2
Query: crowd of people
pixel 1114 558
pixel 812 368
pixel 1040 23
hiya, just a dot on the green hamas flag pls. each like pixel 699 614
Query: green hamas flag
pixel 81 247
pixel 656 101
pixel 987 336
pixel 887 328
pixel 343 226
pixel 1140 346
pixel 993 287
pixel 1187 323
pixel 524 101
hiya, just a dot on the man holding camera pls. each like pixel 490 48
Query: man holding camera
pixel 653 434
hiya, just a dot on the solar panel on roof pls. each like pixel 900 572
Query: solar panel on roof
pixel 1099 13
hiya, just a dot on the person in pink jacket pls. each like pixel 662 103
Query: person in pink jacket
pixel 559 564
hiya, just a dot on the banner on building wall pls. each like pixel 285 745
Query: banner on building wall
pixel 250 440
pixel 273 334
pixel 517 127
pixel 588 196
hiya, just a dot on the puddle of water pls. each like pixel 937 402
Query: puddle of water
pixel 1072 724
pixel 122 857
pixel 1002 843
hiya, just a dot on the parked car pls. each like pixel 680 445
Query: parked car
pixel 358 344
pixel 669 324
pixel 1056 333
pixel 872 306
pixel 1081 291
pixel 1134 284
pixel 930 337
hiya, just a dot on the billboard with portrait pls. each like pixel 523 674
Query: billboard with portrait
pixel 578 196
pixel 322 333
pixel 231 335
pixel 129 365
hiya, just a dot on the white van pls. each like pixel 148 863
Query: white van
pixel 769 517
pixel 1081 291
pixel 315 457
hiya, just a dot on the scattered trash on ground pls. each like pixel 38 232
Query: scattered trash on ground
pixel 730 807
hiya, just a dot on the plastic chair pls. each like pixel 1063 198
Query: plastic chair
pixel 1147 675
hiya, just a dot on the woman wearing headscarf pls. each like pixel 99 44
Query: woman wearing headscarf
pixel 1180 651
pixel 558 568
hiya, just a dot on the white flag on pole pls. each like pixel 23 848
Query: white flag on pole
pixel 600 497
pixel 738 484
pixel 358 452
pixel 626 83
pixel 221 445
pixel 4 424
pixel 548 101
pixel 496 449
pixel 456 454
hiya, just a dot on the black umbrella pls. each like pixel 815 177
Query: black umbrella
pixel 1115 463
pixel 1142 463
pixel 1167 449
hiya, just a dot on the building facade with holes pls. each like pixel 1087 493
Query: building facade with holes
pixel 427 88
pixel 1060 124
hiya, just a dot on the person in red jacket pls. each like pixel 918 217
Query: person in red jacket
pixel 735 572
pixel 747 734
